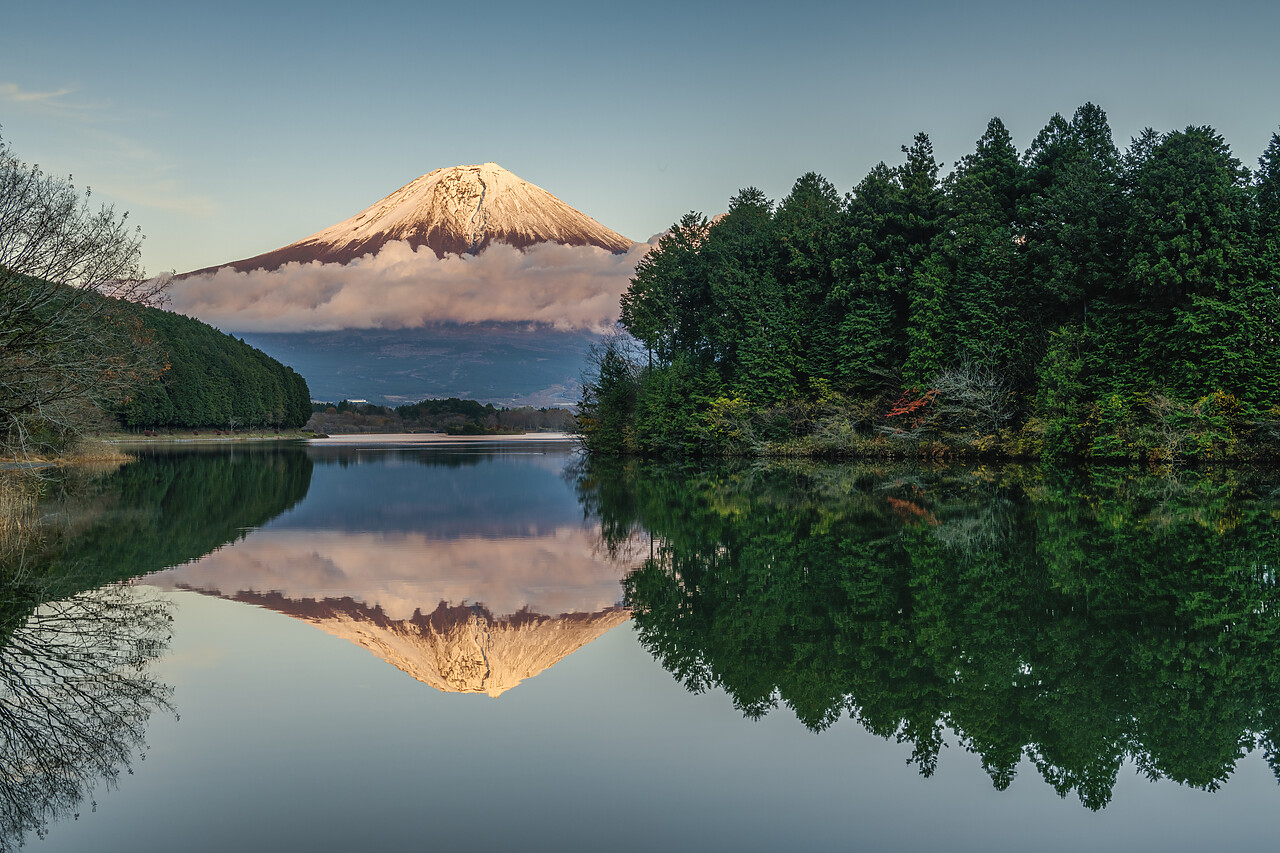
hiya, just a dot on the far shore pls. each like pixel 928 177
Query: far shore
pixel 113 448
pixel 203 436
pixel 441 438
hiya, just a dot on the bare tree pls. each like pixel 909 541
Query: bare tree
pixel 75 695
pixel 67 273
pixel 976 397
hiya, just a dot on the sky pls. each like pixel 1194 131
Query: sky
pixel 230 129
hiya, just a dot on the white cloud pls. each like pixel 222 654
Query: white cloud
pixel 14 92
pixel 569 287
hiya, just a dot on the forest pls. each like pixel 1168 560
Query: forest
pixel 452 415
pixel 1072 301
pixel 207 378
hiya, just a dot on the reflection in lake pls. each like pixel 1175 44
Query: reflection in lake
pixel 77 643
pixel 166 509
pixel 1078 622
pixel 469 567
pixel 1070 628
pixel 75 695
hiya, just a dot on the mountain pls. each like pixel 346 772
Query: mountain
pixel 460 210
pixel 455 649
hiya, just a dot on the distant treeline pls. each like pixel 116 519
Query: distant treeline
pixel 212 379
pixel 453 415
pixel 1071 301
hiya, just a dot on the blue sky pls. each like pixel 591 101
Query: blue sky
pixel 230 129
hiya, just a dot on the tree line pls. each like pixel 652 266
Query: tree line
pixel 451 415
pixel 208 378
pixel 1072 300
pixel 83 343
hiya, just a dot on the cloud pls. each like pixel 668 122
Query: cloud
pixel 559 572
pixel 134 172
pixel 14 92
pixel 55 103
pixel 569 287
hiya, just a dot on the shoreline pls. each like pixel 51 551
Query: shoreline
pixel 201 437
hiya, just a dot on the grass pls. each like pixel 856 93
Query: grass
pixel 203 435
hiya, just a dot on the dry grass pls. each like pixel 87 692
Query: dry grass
pixel 94 453
pixel 19 516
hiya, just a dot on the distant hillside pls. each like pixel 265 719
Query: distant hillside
pixel 214 380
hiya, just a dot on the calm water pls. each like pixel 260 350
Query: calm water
pixel 485 645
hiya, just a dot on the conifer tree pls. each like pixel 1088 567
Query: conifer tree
pixel 805 231
pixel 744 299
pixel 987 305
pixel 667 289
pixel 1071 214
pixel 866 283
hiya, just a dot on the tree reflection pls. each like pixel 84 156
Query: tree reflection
pixel 75 688
pixel 75 695
pixel 1075 621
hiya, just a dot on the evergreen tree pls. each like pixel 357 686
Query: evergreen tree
pixel 866 280
pixel 988 309
pixel 1194 322
pixel 806 229
pixel 745 306
pixel 1268 189
pixel 1071 214
pixel 892 220
pixel 666 301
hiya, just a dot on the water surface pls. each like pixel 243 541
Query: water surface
pixel 489 645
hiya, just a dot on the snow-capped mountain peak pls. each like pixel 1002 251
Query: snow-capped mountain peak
pixel 459 210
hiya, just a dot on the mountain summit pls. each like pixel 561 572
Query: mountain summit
pixel 454 211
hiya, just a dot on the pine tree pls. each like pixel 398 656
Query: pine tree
pixel 744 299
pixel 805 231
pixel 1071 215
pixel 1193 317
pixel 663 305
pixel 987 304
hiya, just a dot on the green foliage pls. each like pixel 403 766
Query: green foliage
pixel 1062 389
pixel 608 408
pixel 670 405
pixel 1078 621
pixel 162 510
pixel 212 379
pixel 1107 294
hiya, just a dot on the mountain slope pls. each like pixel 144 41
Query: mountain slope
pixel 455 649
pixel 460 210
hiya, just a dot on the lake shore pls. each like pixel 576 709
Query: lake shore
pixel 112 448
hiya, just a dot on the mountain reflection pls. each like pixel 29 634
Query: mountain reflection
pixel 463 615
pixel 1076 621
pixel 469 578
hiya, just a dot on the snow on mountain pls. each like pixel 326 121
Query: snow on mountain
pixel 460 210
pixel 455 649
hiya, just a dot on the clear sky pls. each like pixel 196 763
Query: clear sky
pixel 228 129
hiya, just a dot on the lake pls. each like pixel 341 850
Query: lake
pixel 354 644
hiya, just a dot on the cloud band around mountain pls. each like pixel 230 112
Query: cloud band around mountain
pixel 568 287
